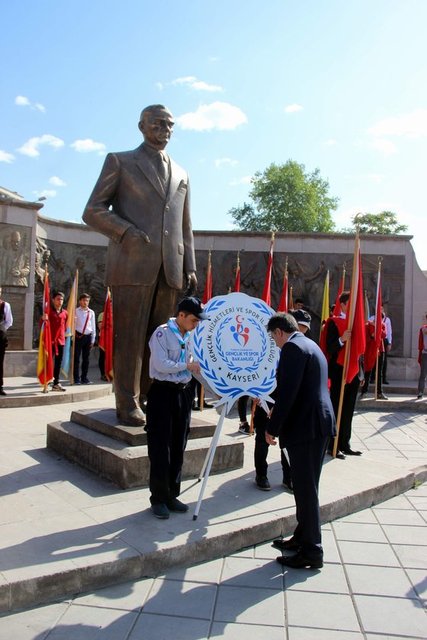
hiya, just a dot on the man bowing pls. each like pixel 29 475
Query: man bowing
pixel 303 419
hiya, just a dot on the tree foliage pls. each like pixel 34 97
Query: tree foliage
pixel 385 223
pixel 287 198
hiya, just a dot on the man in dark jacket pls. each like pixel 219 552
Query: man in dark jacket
pixel 303 419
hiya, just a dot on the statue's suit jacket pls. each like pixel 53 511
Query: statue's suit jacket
pixel 129 193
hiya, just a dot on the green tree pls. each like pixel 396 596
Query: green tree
pixel 385 223
pixel 287 198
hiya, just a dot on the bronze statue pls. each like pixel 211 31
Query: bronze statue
pixel 141 202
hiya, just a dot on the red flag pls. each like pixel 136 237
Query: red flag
pixel 378 311
pixel 337 308
pixel 283 304
pixel 106 336
pixel 237 279
pixel 45 358
pixel 207 295
pixel 266 293
pixel 356 317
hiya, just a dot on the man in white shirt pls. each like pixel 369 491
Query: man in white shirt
pixel 84 338
pixel 6 321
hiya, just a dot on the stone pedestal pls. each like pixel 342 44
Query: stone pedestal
pixel 96 441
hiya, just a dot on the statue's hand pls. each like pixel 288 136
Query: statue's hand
pixel 191 283
pixel 136 233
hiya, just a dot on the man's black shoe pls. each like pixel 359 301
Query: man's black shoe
pixel 86 381
pixel 195 407
pixel 386 382
pixel 160 511
pixel 299 561
pixel 350 452
pixel 206 405
pixel 262 483
pixel 286 545
pixel 381 396
pixel 339 455
pixel 77 381
pixel 177 505
pixel 2 392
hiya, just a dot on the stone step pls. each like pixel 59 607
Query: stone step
pixel 105 421
pixel 394 403
pixel 128 466
pixel 31 395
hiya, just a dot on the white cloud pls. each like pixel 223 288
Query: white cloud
pixel 31 147
pixel 217 115
pixel 23 101
pixel 197 85
pixel 387 147
pixel 88 145
pixel 159 86
pixel 220 162
pixel 293 108
pixel 6 157
pixel 331 142
pixel 410 125
pixel 239 181
pixel 45 193
pixel 57 182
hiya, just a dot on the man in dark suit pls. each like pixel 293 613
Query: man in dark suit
pixel 141 202
pixel 303 419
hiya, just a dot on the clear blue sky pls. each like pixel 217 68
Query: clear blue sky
pixel 340 85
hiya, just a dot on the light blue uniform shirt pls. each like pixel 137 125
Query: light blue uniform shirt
pixel 165 358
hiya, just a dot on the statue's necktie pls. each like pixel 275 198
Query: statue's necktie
pixel 162 167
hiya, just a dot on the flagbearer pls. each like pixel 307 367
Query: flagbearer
pixel 336 336
pixel 169 403
pixel 57 317
pixel 6 321
pixel 85 338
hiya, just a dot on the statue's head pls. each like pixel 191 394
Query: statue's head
pixel 156 124
pixel 15 240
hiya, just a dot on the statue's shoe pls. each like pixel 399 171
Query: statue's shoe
pixel 134 418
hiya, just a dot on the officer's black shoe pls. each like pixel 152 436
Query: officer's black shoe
pixel 160 511
pixel 176 505
pixel 262 483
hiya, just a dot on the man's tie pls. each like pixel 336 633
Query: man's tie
pixel 162 167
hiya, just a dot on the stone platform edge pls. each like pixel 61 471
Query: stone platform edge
pixel 46 588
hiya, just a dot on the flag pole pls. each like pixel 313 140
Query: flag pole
pixel 71 378
pixel 353 298
pixel 45 385
pixel 376 328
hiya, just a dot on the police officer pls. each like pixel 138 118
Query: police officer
pixel 169 403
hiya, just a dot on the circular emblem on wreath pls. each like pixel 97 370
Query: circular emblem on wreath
pixel 236 355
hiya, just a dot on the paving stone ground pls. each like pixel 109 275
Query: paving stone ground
pixel 373 584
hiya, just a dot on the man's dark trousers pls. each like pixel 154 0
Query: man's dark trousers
pixel 168 426
pixel 349 402
pixel 82 348
pixel 306 460
pixel 3 346
pixel 262 447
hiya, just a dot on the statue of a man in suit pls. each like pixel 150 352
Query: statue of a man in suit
pixel 141 201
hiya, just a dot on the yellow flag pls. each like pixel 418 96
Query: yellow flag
pixel 325 302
